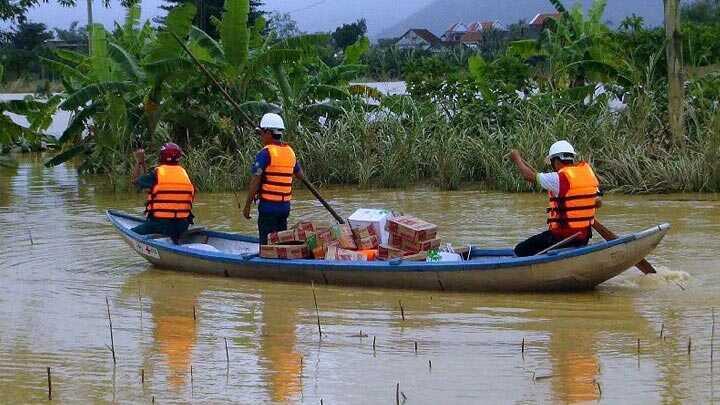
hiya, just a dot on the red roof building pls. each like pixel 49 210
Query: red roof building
pixel 539 20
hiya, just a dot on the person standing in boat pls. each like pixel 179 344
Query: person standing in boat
pixel 170 194
pixel 272 177
pixel 574 194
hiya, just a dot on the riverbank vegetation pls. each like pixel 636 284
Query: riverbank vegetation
pixel 603 89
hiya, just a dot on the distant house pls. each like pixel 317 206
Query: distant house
pixel 482 31
pixel 484 26
pixel 454 34
pixel 539 22
pixel 417 38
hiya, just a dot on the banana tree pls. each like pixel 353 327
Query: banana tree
pixel 114 93
pixel 574 52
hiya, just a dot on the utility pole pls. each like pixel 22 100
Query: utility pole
pixel 675 66
pixel 90 25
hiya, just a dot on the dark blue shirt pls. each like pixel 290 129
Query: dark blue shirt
pixel 262 161
pixel 147 180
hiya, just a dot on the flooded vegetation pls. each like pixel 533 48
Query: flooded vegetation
pixel 603 88
pixel 60 260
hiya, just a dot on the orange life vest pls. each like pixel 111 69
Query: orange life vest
pixel 278 175
pixel 172 195
pixel 575 208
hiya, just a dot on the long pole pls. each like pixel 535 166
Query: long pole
pixel 607 234
pixel 250 122
pixel 90 25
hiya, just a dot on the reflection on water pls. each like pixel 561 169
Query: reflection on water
pixel 278 350
pixel 579 348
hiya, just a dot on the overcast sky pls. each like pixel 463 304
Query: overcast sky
pixel 311 15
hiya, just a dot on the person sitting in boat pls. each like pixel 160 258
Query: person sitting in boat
pixel 573 190
pixel 272 177
pixel 170 194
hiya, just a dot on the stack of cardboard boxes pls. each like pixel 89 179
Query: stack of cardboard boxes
pixel 369 235
pixel 409 236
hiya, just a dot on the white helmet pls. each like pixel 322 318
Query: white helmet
pixel 562 150
pixel 273 122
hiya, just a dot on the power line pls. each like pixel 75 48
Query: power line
pixel 317 3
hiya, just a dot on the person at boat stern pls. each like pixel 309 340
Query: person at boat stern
pixel 574 197
pixel 272 178
pixel 170 196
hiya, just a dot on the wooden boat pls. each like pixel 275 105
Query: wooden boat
pixel 233 255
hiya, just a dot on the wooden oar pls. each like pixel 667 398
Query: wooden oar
pixel 559 244
pixel 249 121
pixel 607 234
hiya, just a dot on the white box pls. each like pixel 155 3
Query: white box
pixel 372 217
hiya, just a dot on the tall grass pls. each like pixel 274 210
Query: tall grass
pixel 422 145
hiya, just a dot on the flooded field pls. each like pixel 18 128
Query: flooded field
pixel 60 260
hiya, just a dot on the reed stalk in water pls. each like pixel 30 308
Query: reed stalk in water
pixel 522 348
pixel 192 381
pixel 374 344
pixel 662 329
pixel 317 310
pixel 415 347
pixel 142 376
pixel 227 354
pixel 402 310
pixel 712 338
pixel 689 345
pixel 397 394
pixel 49 385
pixel 32 242
pixel 112 338
pixel 194 314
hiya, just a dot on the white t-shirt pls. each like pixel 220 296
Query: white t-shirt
pixel 549 182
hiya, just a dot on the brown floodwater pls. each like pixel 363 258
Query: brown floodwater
pixel 60 260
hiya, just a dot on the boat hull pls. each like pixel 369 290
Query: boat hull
pixel 568 270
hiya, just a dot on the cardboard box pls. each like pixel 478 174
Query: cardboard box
pixel 375 218
pixel 284 251
pixel 370 254
pixel 411 228
pixel 337 253
pixel 413 247
pixel 317 243
pixel 371 242
pixel 306 226
pixel 288 237
pixel 343 234
pixel 364 232
pixel 386 252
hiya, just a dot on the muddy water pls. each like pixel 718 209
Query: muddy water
pixel 578 347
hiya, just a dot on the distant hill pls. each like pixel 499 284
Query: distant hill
pixel 440 14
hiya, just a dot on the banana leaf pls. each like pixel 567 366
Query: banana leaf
pixel 68 72
pixel 234 33
pixel 320 92
pixel 354 52
pixel 321 110
pixel 66 155
pixel 100 64
pixel 259 108
pixel 78 123
pixel 206 41
pixel 127 62
pixel 76 58
pixel 178 22
pixel 90 93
